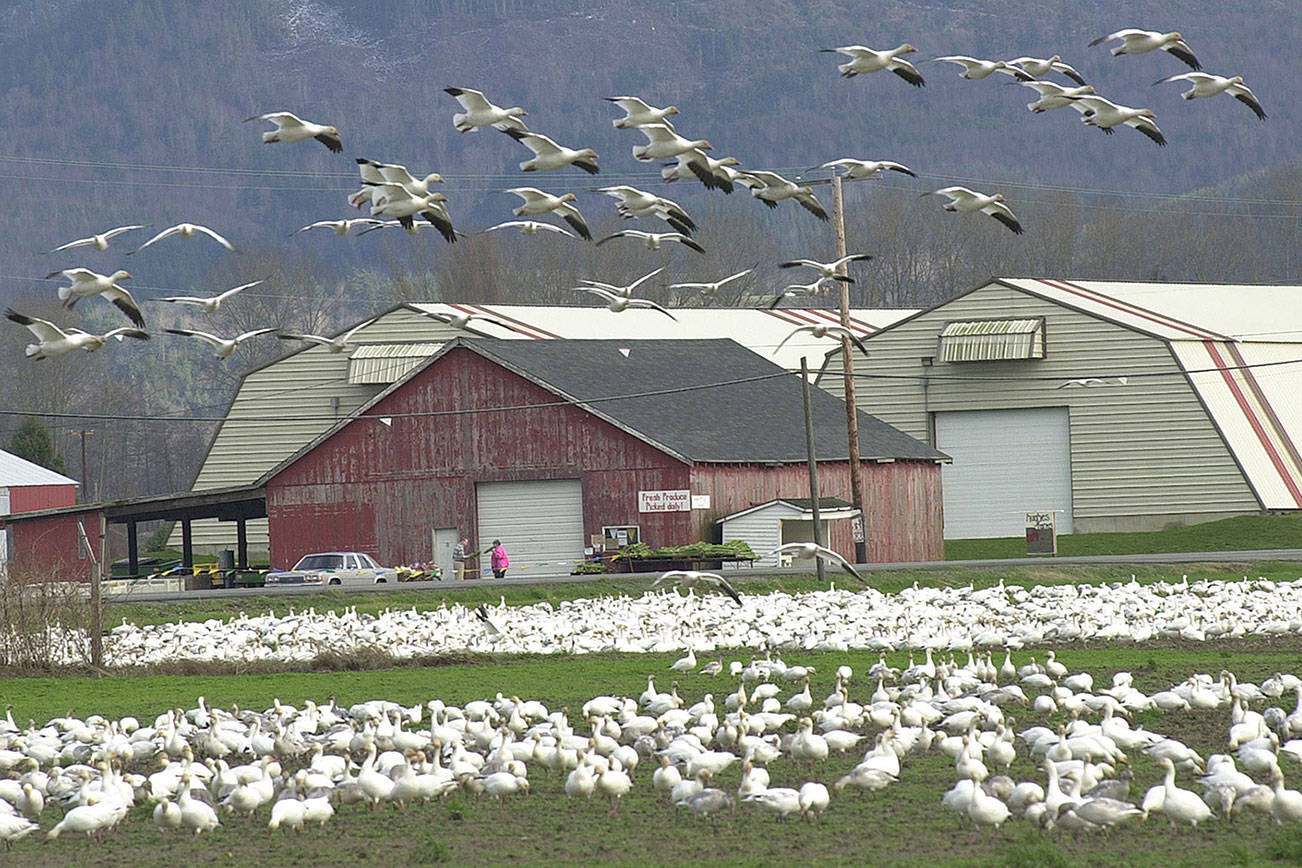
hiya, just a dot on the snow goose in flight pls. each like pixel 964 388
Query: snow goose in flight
pixel 291 128
pixel 99 240
pixel 537 202
pixel 186 230
pixel 822 330
pixel 340 227
pixel 52 341
pixel 864 60
pixel 976 68
pixel 371 178
pixel 547 155
pixel 1105 114
pixel 664 143
pixel 402 206
pixel 653 240
pixel 479 112
pixel 639 203
pixel 638 113
pixel 212 303
pixel 1038 66
pixel 336 344
pixel 965 201
pixel 711 287
pixel 808 550
pixel 714 174
pixel 1205 85
pixel 1053 96
pixel 828 270
pixel 618 303
pixel 84 283
pixel 395 173
pixel 692 578
pixel 461 320
pixel 1135 41
pixel 530 227
pixel 224 346
pixel 627 290
pixel 857 169
pixel 797 289
pixel 776 188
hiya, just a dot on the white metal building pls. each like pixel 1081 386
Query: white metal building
pixel 775 523
pixel 1121 406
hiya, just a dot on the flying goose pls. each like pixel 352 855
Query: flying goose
pixel 462 320
pixel 340 227
pixel 291 128
pixel 224 346
pixel 402 206
pixel 711 287
pixel 479 112
pixel 664 143
pixel 100 240
pixel 52 341
pixel 627 290
pixel 394 173
pixel 639 203
pixel 371 178
pixel 713 174
pixel 1134 41
pixel 776 188
pixel 1205 85
pixel 84 283
pixel 797 289
pixel 964 201
pixel 856 169
pixel 692 578
pixel 828 270
pixel 530 227
pixel 1053 96
pixel 1105 114
pixel 336 344
pixel 212 303
pixel 864 60
pixel 822 330
pixel 619 303
pixel 548 155
pixel 637 113
pixel 654 239
pixel 537 202
pixel 809 550
pixel 186 230
pixel 1038 66
pixel 976 68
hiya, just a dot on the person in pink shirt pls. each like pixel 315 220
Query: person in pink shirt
pixel 498 560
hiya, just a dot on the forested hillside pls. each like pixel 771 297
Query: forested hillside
pixel 130 112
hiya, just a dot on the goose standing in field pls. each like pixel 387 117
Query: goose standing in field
pixel 864 60
pixel 530 227
pixel 1105 114
pixel 1205 85
pixel 100 240
pixel 537 202
pixel 291 128
pixel 617 303
pixel 639 203
pixel 224 346
pixel 686 663
pixel 84 283
pixel 1181 805
pixel 638 113
pixel 15 828
pixel 807 550
pixel 693 578
pixel 965 201
pixel 210 304
pixel 776 188
pixel 53 341
pixel 336 344
pixel 653 240
pixel 1134 41
pixel 828 270
pixel 1054 96
pixel 1040 66
pixel 479 112
pixel 186 230
pixel 548 156
pixel 340 227
pixel 663 143
pixel 710 288
pixel 858 169
pixel 976 68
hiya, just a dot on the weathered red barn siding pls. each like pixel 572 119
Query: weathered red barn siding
pixel 902 502
pixel 33 498
pixel 383 488
pixel 46 549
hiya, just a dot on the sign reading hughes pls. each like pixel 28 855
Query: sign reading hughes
pixel 664 501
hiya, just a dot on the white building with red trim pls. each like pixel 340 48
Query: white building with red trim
pixel 1117 405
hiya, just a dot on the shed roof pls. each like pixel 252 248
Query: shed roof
pixel 828 508
pixel 17 472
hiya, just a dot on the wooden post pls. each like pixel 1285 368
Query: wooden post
pixel 96 599
pixel 133 550
pixel 241 544
pixel 851 405
pixel 813 462
pixel 187 545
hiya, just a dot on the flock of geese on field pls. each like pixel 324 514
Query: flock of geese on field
pixel 399 197
pixel 292 767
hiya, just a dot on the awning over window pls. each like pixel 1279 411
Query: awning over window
pixel 386 363
pixel 991 340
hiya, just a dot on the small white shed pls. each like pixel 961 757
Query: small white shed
pixel 766 526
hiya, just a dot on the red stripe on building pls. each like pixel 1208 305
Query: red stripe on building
pixel 519 325
pixel 1281 432
pixel 1133 310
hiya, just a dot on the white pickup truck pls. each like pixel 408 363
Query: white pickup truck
pixel 334 568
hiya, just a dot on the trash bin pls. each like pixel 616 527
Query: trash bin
pixel 201 582
pixel 226 563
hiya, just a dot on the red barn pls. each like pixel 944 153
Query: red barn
pixel 545 445
pixel 28 487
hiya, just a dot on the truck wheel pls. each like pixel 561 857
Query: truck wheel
pixel 334 581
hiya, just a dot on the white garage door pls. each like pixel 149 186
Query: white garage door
pixel 1006 463
pixel 540 524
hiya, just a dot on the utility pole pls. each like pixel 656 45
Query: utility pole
pixel 813 462
pixel 851 406
pixel 85 477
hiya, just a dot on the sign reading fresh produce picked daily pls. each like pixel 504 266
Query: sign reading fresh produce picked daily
pixel 664 501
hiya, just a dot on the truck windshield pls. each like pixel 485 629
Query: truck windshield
pixel 320 562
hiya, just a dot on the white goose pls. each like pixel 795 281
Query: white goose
pixel 1038 66
pixel 99 240
pixel 340 227
pixel 548 156
pixel 965 201
pixel 536 202
pixel 224 346
pixel 291 128
pixel 395 173
pixel 1134 41
pixel 858 169
pixel 336 344
pixel 639 203
pixel 653 240
pixel 864 60
pixel 776 188
pixel 638 113
pixel 664 143
pixel 1206 85
pixel 186 230
pixel 84 283
pixel 617 303
pixel 530 227
pixel 1181 805
pixel 828 270
pixel 709 288
pixel 397 202
pixel 210 304
pixel 53 341
pixel 806 551
pixel 976 68
pixel 1105 114
pixel 460 320
pixel 1053 96
pixel 479 112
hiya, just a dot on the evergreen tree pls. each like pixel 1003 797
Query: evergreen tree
pixel 32 441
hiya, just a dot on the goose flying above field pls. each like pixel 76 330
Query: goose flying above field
pixel 858 169
pixel 693 578
pixel 336 344
pixel 52 341
pixel 1134 41
pixel 291 128
pixel 776 188
pixel 530 227
pixel 1053 96
pixel 84 283
pixel 1105 114
pixel 653 240
pixel 618 303
pixel 809 551
pixel 212 303
pixel 479 112
pixel 536 202
pixel 822 330
pixel 976 68
pixel 828 270
pixel 711 287
pixel 395 173
pixel 627 290
pixel 549 156
pixel 461 320
pixel 713 174
pixel 797 289
pixel 1039 66
pixel 965 201
pixel 340 227
pixel 864 60
pixel 399 204
pixel 639 203
pixel 186 230
pixel 664 143
pixel 1205 85
pixel 224 346
pixel 100 240
pixel 638 113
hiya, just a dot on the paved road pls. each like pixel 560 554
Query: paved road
pixel 291 591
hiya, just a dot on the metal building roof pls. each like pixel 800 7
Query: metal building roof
pixel 16 472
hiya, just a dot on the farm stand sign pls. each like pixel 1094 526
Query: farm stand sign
pixel 664 501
